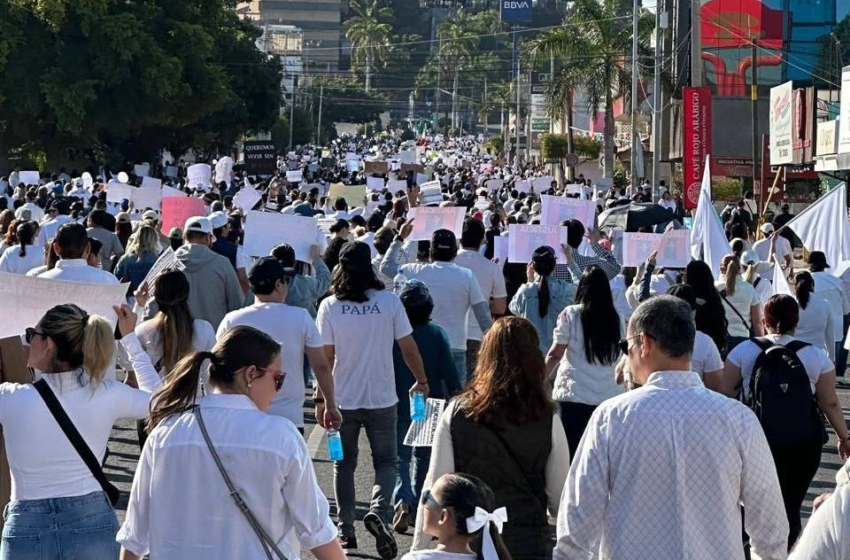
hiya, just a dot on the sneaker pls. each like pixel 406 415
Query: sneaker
pixel 401 518
pixel 384 540
pixel 348 543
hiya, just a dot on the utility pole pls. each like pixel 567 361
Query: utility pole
pixel 696 44
pixel 516 154
pixel 487 110
pixel 368 67
pixel 658 104
pixel 552 77
pixel 454 101
pixel 292 109
pixel 754 98
pixel 319 128
pixel 636 143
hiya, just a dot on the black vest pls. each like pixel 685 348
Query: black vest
pixel 226 249
pixel 512 461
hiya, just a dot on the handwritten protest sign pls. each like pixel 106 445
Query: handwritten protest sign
pixel 375 183
pixel 379 167
pixel 295 176
pixel 147 198
pixel 25 299
pixel 151 183
pixel 421 433
pixel 142 169
pixel 28 177
pixel 224 170
pixel 171 191
pixel 427 220
pixel 325 224
pixel 672 247
pixel 524 239
pixel 88 180
pixel 246 199
pixel 266 230
pixel 556 209
pixel 119 192
pixel 177 209
pixel 166 261
pixel 353 194
pixel 500 249
pixel 198 176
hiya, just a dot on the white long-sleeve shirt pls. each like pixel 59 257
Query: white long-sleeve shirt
pixel 43 462
pixel 175 516
pixel 827 535
pixel 661 474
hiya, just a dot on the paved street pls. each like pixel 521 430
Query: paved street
pixel 124 452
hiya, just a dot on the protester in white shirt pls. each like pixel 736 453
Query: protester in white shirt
pixel 295 331
pixel 72 245
pixel 60 210
pixel 55 497
pixel 705 358
pixel 832 290
pixel 815 324
pixel 670 458
pixel 172 516
pixel 23 257
pixel 781 249
pixel 827 533
pixel 358 324
pixel 740 303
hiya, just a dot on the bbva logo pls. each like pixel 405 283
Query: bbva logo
pixel 515 5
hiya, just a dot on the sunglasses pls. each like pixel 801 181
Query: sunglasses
pixel 623 344
pixel 30 334
pixel 427 500
pixel 279 377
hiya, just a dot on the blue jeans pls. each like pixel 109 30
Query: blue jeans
pixel 421 457
pixel 380 425
pixel 60 528
pixel 459 356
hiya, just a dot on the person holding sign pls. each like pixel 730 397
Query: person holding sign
pixel 603 258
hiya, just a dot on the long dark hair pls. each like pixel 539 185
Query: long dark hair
pixel 544 261
pixel 331 256
pixel 463 493
pixel 710 317
pixel 509 384
pixel 26 235
pixel 600 321
pixel 240 347
pixel 174 321
pixel 352 285
pixel 804 286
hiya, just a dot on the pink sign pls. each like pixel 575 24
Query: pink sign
pixel 672 247
pixel 556 209
pixel 429 219
pixel 525 239
pixel 177 209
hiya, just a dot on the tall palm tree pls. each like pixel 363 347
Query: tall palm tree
pixel 595 45
pixel 369 31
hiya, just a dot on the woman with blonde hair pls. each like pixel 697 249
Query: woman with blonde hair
pixel 503 429
pixel 61 503
pixel 140 257
pixel 741 304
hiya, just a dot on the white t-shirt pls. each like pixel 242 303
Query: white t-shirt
pixel 490 280
pixel 743 299
pixel 815 325
pixel 783 249
pixel 294 330
pixel 454 290
pixel 827 535
pixel 437 555
pixel 362 335
pixel 831 289
pixel 813 359
pixel 12 261
pixel 706 356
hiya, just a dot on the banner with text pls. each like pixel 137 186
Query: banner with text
pixel 524 239
pixel 428 219
pixel 555 209
pixel 696 140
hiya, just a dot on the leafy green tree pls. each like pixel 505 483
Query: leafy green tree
pixel 343 100
pixel 369 31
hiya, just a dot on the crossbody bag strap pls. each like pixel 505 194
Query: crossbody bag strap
pixel 73 435
pixel 261 533
pixel 735 309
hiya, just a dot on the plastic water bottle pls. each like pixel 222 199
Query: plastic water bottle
pixel 334 445
pixel 399 283
pixel 417 406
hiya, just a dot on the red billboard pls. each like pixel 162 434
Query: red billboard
pixel 696 141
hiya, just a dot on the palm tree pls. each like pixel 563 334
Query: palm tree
pixel 594 44
pixel 458 43
pixel 369 31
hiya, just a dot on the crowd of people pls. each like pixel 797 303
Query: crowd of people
pixel 655 412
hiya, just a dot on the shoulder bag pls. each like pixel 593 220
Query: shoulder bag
pixel 265 540
pixel 76 440
pixel 738 313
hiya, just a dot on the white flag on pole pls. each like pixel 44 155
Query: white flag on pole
pixel 780 282
pixel 823 226
pixel 708 240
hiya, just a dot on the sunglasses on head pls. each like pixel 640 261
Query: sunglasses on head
pixel 30 334
pixel 429 501
pixel 279 377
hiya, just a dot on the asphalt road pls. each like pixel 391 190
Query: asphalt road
pixel 124 452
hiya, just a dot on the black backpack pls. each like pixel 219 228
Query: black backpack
pixel 781 395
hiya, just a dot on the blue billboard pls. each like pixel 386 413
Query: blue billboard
pixel 515 11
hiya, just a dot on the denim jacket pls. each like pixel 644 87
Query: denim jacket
pixel 305 291
pixel 133 268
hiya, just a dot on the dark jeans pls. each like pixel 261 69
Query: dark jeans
pixel 380 425
pixel 472 348
pixel 796 468
pixel 408 486
pixel 574 417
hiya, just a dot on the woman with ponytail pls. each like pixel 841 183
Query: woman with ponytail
pixel 58 506
pixel 23 257
pixel 815 324
pixel 543 297
pixel 460 514
pixel 180 505
pixel 741 304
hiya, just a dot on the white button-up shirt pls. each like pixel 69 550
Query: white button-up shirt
pixel 661 474
pixel 180 508
pixel 78 270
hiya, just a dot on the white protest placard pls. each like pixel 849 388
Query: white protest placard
pixel 522 186
pixel 171 171
pixel 500 249
pixel 673 249
pixel 541 184
pixel 375 183
pixel 428 219
pixel 325 225
pixel 246 199
pixel 638 246
pixel 166 261
pixel 524 239
pixel 407 156
pixel 198 176
pixel 555 209
pixel 494 184
pixel 224 170
pixel 171 191
pixel 395 185
pixel 151 183
pixel 28 177
pixel 353 194
pixel 422 178
pixel 119 192
pixel 352 165
pixel 266 230
pixel 295 176
pixel 421 433
pixel 88 181
pixel 147 198
pixel 430 193
pixel 142 169
pixel 25 299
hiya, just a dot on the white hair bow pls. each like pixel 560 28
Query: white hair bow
pixel 483 519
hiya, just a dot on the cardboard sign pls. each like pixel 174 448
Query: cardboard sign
pixel 142 169
pixel 198 176
pixel 556 209
pixel 353 194
pixel 151 183
pixel 246 199
pixel 260 157
pixel 427 220
pixel 500 249
pixel 28 177
pixel 177 209
pixel 672 247
pixel 524 239
pixel 379 167
pixel 375 183
pixel 430 193
pixel 266 230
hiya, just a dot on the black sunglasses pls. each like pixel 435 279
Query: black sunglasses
pixel 30 333
pixel 623 344
pixel 427 500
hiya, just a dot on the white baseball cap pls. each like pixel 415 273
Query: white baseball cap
pixel 218 219
pixel 198 224
pixel 767 228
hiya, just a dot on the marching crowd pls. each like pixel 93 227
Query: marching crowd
pixel 657 413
